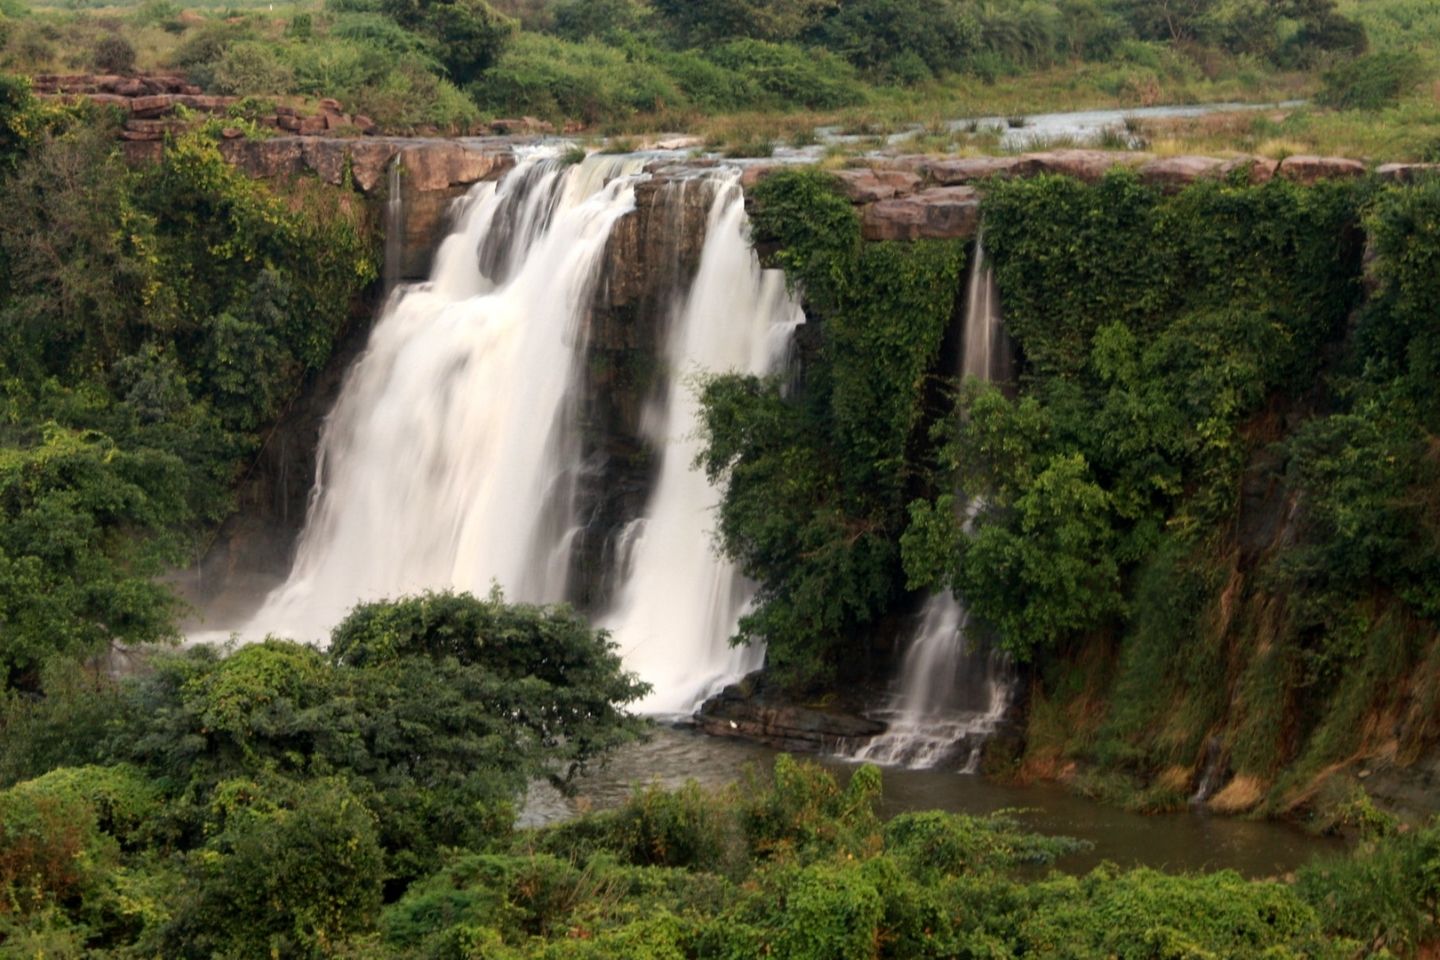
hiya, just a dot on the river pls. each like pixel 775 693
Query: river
pixel 1189 841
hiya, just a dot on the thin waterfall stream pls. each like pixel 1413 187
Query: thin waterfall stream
pixel 954 690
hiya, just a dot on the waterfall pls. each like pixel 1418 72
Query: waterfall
pixel 453 455
pixel 449 460
pixel 394 225
pixel 953 691
pixel 679 601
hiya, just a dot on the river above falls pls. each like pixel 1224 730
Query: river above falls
pixel 1176 842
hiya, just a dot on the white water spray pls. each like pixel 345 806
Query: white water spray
pixel 952 693
pixel 681 602
pixel 449 460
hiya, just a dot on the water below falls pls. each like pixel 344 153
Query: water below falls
pixel 452 459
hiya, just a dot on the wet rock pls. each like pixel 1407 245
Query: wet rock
pixel 1087 165
pixel 939 213
pixel 737 712
pixel 867 186
pixel 1307 169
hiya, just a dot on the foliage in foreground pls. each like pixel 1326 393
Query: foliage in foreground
pixel 267 800
pixel 793 865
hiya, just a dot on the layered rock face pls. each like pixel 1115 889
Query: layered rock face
pixel 432 175
pixel 651 257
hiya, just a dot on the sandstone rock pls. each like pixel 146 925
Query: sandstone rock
pixel 679 142
pixel 1308 169
pixel 232 133
pixel 1261 169
pixel 330 105
pixel 284 111
pixel 363 123
pixel 141 153
pixel 369 161
pixel 204 104
pixel 1173 173
pixel 326 158
pixel 1087 165
pixel 155 106
pixel 1406 172
pixel 521 126
pixel 753 173
pixel 867 186
pixel 940 212
pixel 128 134
pixel 280 157
pixel 952 171
pixel 288 122
pixel 110 100
pixel 312 126
pixel 130 88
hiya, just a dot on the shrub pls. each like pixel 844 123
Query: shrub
pixel 1372 81
pixel 251 68
pixel 550 77
pixel 113 54
pixel 793 75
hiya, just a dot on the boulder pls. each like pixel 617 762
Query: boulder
pixel 753 173
pixel 312 126
pixel 440 164
pixel 1087 165
pixel 1308 169
pixel 369 161
pixel 1406 172
pixel 330 105
pixel 735 712
pixel 280 157
pixel 1173 173
pixel 155 106
pixel 1261 169
pixel 953 171
pixel 940 213
pixel 863 185
pixel 520 126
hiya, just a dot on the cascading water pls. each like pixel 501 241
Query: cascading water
pixel 452 457
pixel 394 225
pixel 953 692
pixel 679 601
pixel 449 459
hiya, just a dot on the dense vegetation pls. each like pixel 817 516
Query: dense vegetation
pixel 447 63
pixel 155 322
pixel 1205 515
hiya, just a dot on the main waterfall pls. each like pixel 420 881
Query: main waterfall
pixel 452 459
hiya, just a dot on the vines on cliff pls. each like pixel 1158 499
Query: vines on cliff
pixel 154 323
pixel 817 480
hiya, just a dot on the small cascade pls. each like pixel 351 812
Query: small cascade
pixel 954 690
pixel 394 225
pixel 679 601
pixel 953 695
pixel 450 458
